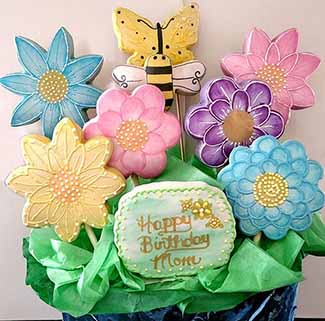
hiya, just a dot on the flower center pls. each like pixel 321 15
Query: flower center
pixel 273 75
pixel 238 126
pixel 132 135
pixel 66 187
pixel 202 209
pixel 53 86
pixel 270 189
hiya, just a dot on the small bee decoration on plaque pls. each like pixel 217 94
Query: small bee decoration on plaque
pixel 159 53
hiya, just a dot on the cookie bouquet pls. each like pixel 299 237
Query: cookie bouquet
pixel 124 219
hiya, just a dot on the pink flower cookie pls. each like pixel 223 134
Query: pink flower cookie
pixel 139 128
pixel 278 63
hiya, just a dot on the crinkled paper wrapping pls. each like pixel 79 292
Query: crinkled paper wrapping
pixel 76 280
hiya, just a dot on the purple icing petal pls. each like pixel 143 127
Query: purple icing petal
pixel 197 122
pixel 222 88
pixel 220 109
pixel 212 155
pixel 228 146
pixel 214 135
pixel 259 93
pixel 274 125
pixel 260 114
pixel 240 100
pixel 258 132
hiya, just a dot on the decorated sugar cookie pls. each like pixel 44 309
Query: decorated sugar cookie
pixel 230 115
pixel 179 237
pixel 278 62
pixel 273 187
pixel 161 49
pixel 53 84
pixel 65 180
pixel 139 128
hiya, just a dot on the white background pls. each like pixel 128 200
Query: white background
pixel 223 26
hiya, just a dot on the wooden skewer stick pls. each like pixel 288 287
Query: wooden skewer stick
pixel 257 238
pixel 180 115
pixel 91 235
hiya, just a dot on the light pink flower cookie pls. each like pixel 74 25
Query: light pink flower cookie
pixel 139 128
pixel 278 63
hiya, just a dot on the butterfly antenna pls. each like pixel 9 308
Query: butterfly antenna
pixel 170 20
pixel 146 23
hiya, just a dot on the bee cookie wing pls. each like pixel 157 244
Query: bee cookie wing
pixel 128 76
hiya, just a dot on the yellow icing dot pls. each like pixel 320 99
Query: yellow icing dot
pixel 270 189
pixel 132 135
pixel 214 223
pixel 273 75
pixel 202 209
pixel 187 205
pixel 53 86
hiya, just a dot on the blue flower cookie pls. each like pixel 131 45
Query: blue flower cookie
pixel 53 84
pixel 273 187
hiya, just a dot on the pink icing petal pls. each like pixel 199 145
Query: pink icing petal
pixel 257 42
pixel 109 122
pixel 306 65
pixel 91 129
pixel 303 97
pixel 154 145
pixel 170 129
pixel 134 162
pixel 153 118
pixel 245 77
pixel 273 54
pixel 118 151
pixel 236 65
pixel 132 109
pixel 287 42
pixel 282 109
pixel 155 164
pixel 118 165
pixel 293 82
pixel 151 96
pixel 287 63
pixel 284 97
pixel 111 100
pixel 256 62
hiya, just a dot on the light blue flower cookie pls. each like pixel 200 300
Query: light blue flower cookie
pixel 273 187
pixel 53 84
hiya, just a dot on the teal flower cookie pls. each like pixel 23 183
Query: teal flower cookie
pixel 53 84
pixel 273 187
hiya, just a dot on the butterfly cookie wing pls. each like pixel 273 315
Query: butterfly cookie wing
pixel 181 32
pixel 136 35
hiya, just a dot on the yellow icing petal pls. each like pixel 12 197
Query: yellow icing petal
pixel 35 214
pixel 77 159
pixel 68 227
pixel 42 195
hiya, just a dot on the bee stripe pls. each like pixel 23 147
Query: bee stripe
pixel 164 87
pixel 159 70
pixel 169 102
pixel 159 79
pixel 168 94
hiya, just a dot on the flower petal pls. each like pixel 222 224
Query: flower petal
pixel 248 227
pixel 19 83
pixel 234 65
pixel 66 228
pixel 257 211
pixel 301 224
pixel 275 233
pixel 70 110
pixel 240 100
pixel 283 110
pixel 280 155
pixel 287 42
pixel 222 88
pixel 154 118
pixel 169 130
pixel 245 186
pixel 287 63
pixel 155 164
pixel 95 216
pixel 308 190
pixel 227 148
pixel 256 62
pixel 50 118
pixel 41 194
pixel 303 97
pixel 198 122
pixel 315 172
pixel 214 135
pixel 97 152
pixel 84 95
pixel 35 214
pixel 257 42
pixel 240 154
pixel 61 50
pixel 28 111
pixel 132 109
pixel 294 180
pixel 134 161
pixel 272 213
pixel 240 212
pixel 220 109
pixel 284 97
pixel 295 195
pixel 317 202
pixel 259 93
pixel 294 83
pixel 307 63
pixel 246 200
pixel 212 155
pixel 274 125
pixel 269 166
pixel 91 129
pixel 300 166
pixel 260 114
pixel 154 145
pixel 31 56
pixel 272 54
pixel 111 100
pixel 109 123
pixel 252 172
pixel 296 149
pixel 83 69
pixel 151 96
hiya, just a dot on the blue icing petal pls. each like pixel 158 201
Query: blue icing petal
pixel 238 169
pixel 60 50
pixel 261 223
pixel 68 109
pixel 275 233
pixel 265 144
pixel 317 202
pixel 300 166
pixel 296 149
pixel 272 213
pixel 246 200
pixel 84 95
pixel 248 228
pixel 301 224
pixel 308 191
pixel 225 175
pixel 287 208
pixel 269 166
pixel 245 186
pixel 50 117
pixel 295 195
pixel 252 172
pixel 240 212
pixel 240 154
pixel 83 69
pixel 315 172
pixel 258 157
pixel 280 155
pixel 301 210
pixel 282 222
pixel 28 111
pixel 293 180
pixel 19 83
pixel 31 57
pixel 284 170
pixel 232 191
pixel 257 211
